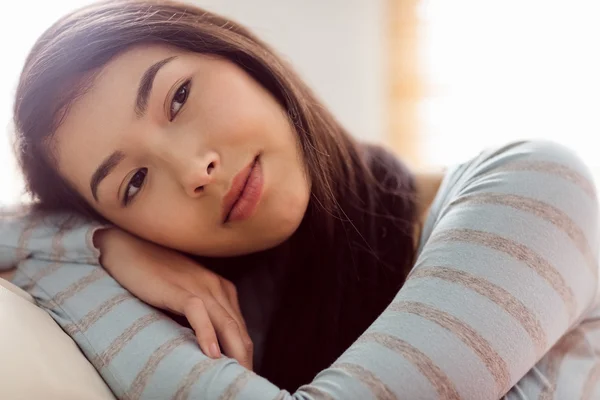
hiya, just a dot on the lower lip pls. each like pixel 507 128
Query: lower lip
pixel 246 204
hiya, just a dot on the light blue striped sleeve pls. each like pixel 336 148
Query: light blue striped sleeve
pixel 59 237
pixel 506 269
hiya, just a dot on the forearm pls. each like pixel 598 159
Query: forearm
pixel 57 237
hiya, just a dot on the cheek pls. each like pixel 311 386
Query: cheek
pixel 155 219
pixel 239 112
pixel 240 125
pixel 174 222
pixel 291 194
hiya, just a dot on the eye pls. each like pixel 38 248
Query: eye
pixel 179 99
pixel 135 184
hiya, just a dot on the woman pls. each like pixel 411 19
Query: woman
pixel 190 136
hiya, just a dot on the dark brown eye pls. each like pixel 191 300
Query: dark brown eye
pixel 134 185
pixel 179 99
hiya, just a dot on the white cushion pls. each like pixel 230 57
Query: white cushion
pixel 37 359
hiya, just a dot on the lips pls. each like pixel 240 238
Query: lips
pixel 239 186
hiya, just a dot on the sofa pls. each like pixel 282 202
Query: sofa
pixel 37 359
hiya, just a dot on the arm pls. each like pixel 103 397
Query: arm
pixel 57 237
pixel 61 238
pixel 24 233
pixel 506 268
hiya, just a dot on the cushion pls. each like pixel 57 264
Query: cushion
pixel 39 361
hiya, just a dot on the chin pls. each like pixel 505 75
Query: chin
pixel 262 232
pixel 263 243
pixel 278 233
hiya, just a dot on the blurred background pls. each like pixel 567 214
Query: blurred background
pixel 436 80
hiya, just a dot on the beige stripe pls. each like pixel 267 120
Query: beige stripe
pixel 575 339
pixel 544 211
pixel 310 390
pixel 58 248
pixel 93 316
pixel 72 330
pixel 509 303
pixel 58 251
pixel 520 252
pixel 552 168
pixel 191 379
pixel 44 272
pixel 438 379
pixel 22 251
pixel 591 382
pixel 124 338
pixel 376 386
pixel 78 286
pixel 590 325
pixel 282 395
pixel 554 359
pixel 236 386
pixel 141 380
pixel 48 305
pixel 477 343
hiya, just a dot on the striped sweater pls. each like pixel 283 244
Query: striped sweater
pixel 501 300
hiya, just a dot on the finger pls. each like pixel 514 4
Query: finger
pixel 228 332
pixel 231 293
pixel 230 305
pixel 196 313
pixel 232 296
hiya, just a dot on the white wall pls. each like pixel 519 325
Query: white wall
pixel 18 31
pixel 507 70
pixel 336 46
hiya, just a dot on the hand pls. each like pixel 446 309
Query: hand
pixel 171 281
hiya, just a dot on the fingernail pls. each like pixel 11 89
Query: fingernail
pixel 214 351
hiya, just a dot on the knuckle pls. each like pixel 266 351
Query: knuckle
pixel 226 285
pixel 230 286
pixel 230 324
pixel 211 281
pixel 194 302
pixel 249 346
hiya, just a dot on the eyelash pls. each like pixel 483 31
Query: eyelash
pixel 184 90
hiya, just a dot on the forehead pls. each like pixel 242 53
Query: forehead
pixel 120 77
pixel 134 61
pixel 114 86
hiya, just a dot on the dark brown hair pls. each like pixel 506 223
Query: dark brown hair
pixel 339 252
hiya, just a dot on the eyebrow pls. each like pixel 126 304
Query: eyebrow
pixel 104 169
pixel 145 88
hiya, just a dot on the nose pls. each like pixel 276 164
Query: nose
pixel 200 173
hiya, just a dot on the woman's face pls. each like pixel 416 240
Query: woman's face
pixel 185 150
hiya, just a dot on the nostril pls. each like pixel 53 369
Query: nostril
pixel 210 167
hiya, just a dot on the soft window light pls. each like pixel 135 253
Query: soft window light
pixel 504 70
